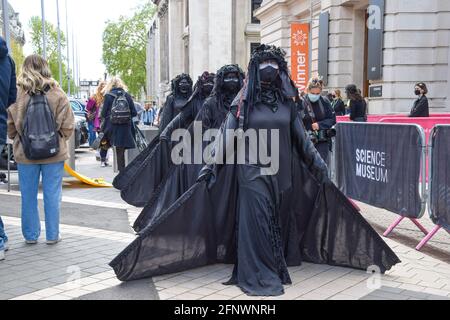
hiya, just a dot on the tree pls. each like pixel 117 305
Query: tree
pixel 51 49
pixel 17 54
pixel 124 47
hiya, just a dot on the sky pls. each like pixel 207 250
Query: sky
pixel 87 19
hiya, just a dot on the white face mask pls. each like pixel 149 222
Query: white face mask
pixel 266 64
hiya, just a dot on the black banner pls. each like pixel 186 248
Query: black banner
pixel 440 177
pixel 380 164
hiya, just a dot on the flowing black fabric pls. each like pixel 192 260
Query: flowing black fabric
pixel 144 174
pixel 181 177
pixel 236 213
pixel 316 223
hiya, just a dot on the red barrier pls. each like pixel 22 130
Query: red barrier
pixel 378 117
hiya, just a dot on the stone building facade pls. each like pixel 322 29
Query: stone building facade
pixel 193 36
pixel 415 47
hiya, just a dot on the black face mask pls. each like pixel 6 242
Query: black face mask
pixel 231 85
pixel 207 88
pixel 268 74
pixel 417 92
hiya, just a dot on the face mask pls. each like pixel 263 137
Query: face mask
pixel 417 92
pixel 231 85
pixel 207 88
pixel 313 97
pixel 268 74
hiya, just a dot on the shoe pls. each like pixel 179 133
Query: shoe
pixel 53 242
pixel 2 255
pixel 31 242
pixel 104 165
pixel 6 246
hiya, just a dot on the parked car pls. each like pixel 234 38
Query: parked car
pixel 78 107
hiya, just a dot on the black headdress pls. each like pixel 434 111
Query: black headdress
pixel 175 85
pixel 251 93
pixel 219 81
pixel 202 80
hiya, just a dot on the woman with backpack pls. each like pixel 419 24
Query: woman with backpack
pixel 40 123
pixel 117 114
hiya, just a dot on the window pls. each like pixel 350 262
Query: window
pixel 255 5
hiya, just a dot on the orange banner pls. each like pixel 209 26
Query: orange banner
pixel 300 54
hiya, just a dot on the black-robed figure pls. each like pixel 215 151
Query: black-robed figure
pixel 141 177
pixel 260 221
pixel 181 91
pixel 229 81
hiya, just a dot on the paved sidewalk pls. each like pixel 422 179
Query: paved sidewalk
pixel 95 228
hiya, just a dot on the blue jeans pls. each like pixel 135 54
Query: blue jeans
pixel 92 133
pixel 3 237
pixel 29 176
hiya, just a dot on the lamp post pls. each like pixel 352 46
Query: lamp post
pixel 59 45
pixel 68 52
pixel 44 31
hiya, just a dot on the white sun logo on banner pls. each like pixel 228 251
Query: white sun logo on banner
pixel 300 38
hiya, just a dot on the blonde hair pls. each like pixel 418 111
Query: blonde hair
pixel 35 75
pixel 99 97
pixel 114 83
pixel 315 83
pixel 338 93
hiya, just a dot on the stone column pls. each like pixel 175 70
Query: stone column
pixel 176 44
pixel 198 37
pixel 220 33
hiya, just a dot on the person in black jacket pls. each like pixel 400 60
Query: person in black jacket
pixel 337 104
pixel 318 117
pixel 420 108
pixel 358 106
pixel 121 136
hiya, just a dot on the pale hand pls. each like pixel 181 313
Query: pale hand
pixel 315 127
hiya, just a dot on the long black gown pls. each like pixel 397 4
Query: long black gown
pixel 181 177
pixel 262 224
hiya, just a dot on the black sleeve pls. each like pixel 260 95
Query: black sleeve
pixel 106 110
pixel 167 113
pixel 132 106
pixel 182 120
pixel 352 111
pixel 420 109
pixel 308 152
pixel 330 117
pixel 13 85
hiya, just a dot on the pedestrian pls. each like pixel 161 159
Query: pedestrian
pixel 357 104
pixel 34 82
pixel 181 92
pixel 420 108
pixel 118 113
pixel 148 114
pixel 338 104
pixel 8 94
pixel 93 112
pixel 319 117
pixel 139 110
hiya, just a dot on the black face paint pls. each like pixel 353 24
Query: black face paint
pixel 184 86
pixel 231 83
pixel 269 74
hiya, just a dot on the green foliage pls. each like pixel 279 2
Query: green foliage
pixel 124 47
pixel 17 54
pixel 51 49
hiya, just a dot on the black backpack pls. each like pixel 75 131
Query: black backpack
pixel 120 110
pixel 39 137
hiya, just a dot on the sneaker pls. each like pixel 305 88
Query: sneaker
pixel 6 246
pixel 31 242
pixel 104 165
pixel 2 255
pixel 53 242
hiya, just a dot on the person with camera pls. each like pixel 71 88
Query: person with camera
pixel 319 118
